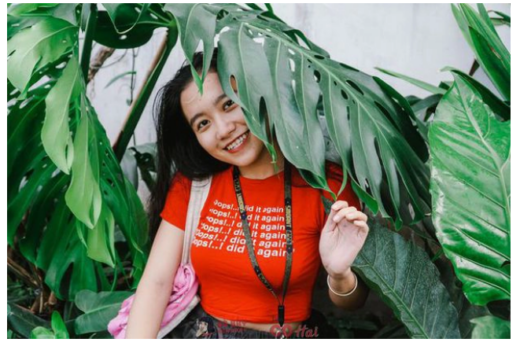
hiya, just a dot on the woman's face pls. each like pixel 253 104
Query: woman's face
pixel 219 124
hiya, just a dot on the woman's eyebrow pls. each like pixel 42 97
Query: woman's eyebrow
pixel 215 102
pixel 218 99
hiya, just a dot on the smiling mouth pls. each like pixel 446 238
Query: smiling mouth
pixel 237 142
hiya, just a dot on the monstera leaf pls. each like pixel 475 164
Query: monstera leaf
pixel 95 191
pixel 36 46
pixel 125 26
pixel 405 278
pixel 281 85
pixel 471 192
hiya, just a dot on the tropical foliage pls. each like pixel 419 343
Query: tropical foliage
pixel 77 233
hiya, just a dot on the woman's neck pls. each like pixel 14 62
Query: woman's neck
pixel 264 168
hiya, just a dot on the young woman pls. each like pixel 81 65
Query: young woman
pixel 258 217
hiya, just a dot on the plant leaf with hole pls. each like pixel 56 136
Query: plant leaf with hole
pixel 56 137
pixel 195 22
pixel 36 188
pixel 125 26
pixel 280 85
pixel 36 46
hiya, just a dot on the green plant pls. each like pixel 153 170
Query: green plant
pixel 470 145
pixel 59 331
pixel 74 213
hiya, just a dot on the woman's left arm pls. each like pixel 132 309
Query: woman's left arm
pixel 341 239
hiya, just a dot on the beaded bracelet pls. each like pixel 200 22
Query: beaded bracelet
pixel 343 294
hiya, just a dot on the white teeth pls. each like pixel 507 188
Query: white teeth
pixel 236 143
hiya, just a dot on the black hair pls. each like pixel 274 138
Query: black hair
pixel 178 149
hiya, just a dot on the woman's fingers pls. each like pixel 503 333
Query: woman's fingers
pixel 357 215
pixel 340 210
pixel 350 213
pixel 361 224
pixel 339 205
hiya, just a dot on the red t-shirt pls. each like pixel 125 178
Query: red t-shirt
pixel 229 287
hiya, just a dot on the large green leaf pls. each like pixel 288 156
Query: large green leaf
pixel 40 11
pixel 16 24
pixel 56 137
pixel 19 204
pixel 502 19
pixel 491 327
pixel 100 239
pixel 490 51
pixel 199 22
pixel 471 192
pixel 465 310
pixel 280 86
pixel 63 256
pixel 75 241
pixel 54 111
pixel 36 46
pixel 32 189
pixel 25 156
pixel 83 195
pixel 418 83
pixel 125 26
pixel 499 107
pixel 55 242
pixel 424 106
pixel 99 309
pixel 59 330
pixel 44 204
pixel 122 200
pixel 23 321
pixel 405 278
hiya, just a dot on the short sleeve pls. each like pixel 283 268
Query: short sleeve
pixel 177 201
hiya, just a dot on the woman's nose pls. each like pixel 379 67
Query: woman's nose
pixel 225 127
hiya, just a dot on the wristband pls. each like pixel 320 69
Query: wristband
pixel 343 294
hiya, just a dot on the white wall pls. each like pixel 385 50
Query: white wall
pixel 414 39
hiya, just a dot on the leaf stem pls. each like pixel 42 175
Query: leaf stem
pixel 87 43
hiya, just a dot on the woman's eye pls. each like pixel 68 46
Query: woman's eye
pixel 201 123
pixel 228 104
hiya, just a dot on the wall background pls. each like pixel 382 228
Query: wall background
pixel 414 39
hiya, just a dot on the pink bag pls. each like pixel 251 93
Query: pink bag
pixel 184 297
